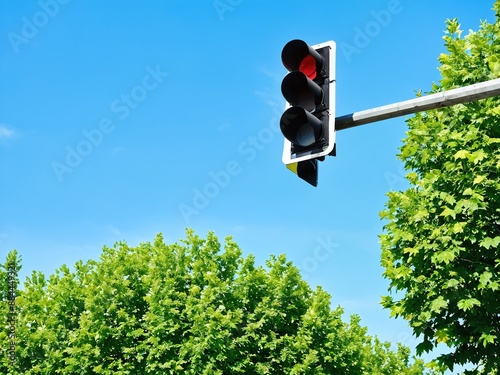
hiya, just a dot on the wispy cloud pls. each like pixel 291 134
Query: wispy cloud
pixel 115 231
pixel 224 126
pixel 117 150
pixel 275 75
pixel 5 131
pixel 270 100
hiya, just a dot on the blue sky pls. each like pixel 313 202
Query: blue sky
pixel 122 119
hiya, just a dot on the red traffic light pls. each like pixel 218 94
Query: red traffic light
pixel 308 66
pixel 297 55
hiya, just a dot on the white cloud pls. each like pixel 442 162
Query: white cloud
pixel 5 132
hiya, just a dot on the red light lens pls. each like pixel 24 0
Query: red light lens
pixel 308 66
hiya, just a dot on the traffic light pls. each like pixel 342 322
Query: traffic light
pixel 308 123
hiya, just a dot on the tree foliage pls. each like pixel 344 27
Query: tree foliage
pixel 9 282
pixel 440 247
pixel 193 307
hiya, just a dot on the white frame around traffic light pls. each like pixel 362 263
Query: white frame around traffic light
pixel 287 147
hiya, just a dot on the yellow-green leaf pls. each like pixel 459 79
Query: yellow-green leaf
pixel 448 212
pixel 490 242
pixel 421 214
pixel 442 335
pixel 477 156
pixel 467 304
pixel 479 179
pixel 462 154
pixel 487 339
pixel 410 250
pixel 438 304
pixel 494 64
pixel 484 279
pixel 458 227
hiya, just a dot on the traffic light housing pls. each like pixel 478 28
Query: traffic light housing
pixel 306 170
pixel 308 123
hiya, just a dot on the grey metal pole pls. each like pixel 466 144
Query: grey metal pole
pixel 438 100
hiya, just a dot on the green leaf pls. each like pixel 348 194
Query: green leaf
pixel 442 335
pixel 462 154
pixel 467 304
pixel 468 191
pixel 448 198
pixel 494 64
pixel 396 311
pixel 420 215
pixel 484 279
pixel 479 179
pixel 424 347
pixel 452 283
pixel 487 339
pixel 447 211
pixel 458 227
pixel 489 242
pixel 445 256
pixel 410 250
pixel 477 156
pixel 495 140
pixel 438 304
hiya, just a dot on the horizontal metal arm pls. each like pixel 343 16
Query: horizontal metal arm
pixel 438 100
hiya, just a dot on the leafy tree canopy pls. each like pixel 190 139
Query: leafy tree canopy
pixel 440 248
pixel 193 307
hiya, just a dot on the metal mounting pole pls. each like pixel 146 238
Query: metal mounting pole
pixel 439 100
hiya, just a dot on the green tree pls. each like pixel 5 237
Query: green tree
pixel 193 307
pixel 49 313
pixel 9 282
pixel 440 247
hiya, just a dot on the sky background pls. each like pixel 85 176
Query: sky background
pixel 122 119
